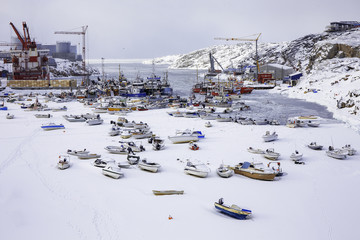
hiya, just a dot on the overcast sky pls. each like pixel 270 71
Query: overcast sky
pixel 155 28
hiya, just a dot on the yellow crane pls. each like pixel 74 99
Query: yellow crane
pixel 83 32
pixel 248 40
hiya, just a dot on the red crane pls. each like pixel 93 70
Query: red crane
pixel 26 40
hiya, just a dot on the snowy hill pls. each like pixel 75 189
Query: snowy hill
pixel 329 61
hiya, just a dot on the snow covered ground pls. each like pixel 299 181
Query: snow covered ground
pixel 318 200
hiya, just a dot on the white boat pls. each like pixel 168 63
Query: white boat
pixel 296 156
pixel 43 115
pixel 123 164
pixel 336 153
pixel 255 150
pixel 135 146
pixel 261 122
pixel 315 146
pixel 9 116
pixel 350 150
pixel 111 170
pixel 74 118
pixel 313 124
pixel 248 121
pixel 209 117
pixel 158 143
pixel 99 163
pixel 208 124
pixel 141 133
pixel 125 134
pixel 224 171
pixel 133 159
pixel 270 137
pixel 301 123
pixel 114 131
pixel 183 137
pixel 94 121
pixel 64 162
pixel 88 155
pixel 224 119
pixel 52 126
pixel 64 108
pixel 198 170
pixel 271 154
pixel 148 166
pixel 77 152
pixel 116 149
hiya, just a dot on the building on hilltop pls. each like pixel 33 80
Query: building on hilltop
pixel 342 26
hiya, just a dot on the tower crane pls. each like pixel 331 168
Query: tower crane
pixel 83 32
pixel 249 40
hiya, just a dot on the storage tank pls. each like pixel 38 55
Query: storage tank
pixel 63 47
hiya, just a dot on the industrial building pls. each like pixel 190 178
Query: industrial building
pixel 279 72
pixel 342 26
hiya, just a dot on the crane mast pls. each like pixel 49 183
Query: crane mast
pixel 248 40
pixel 83 33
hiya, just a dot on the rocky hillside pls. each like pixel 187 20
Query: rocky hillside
pixel 66 68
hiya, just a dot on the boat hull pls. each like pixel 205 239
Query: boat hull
pixel 112 174
pixel 167 192
pixel 256 175
pixel 182 139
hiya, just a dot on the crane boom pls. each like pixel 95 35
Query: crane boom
pixel 19 36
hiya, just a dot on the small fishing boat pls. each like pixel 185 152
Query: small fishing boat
pixel 224 171
pixel 134 146
pixel 74 118
pixel 99 163
pixel 270 137
pixel 133 159
pixel 123 164
pixel 77 152
pixel 271 154
pixel 233 210
pixel 88 155
pixel 315 146
pixel 198 170
pixel 116 149
pixel 350 150
pixel 336 153
pixel 296 156
pixel 111 170
pixel 125 134
pixel 158 143
pixel 313 124
pixel 255 150
pixel 94 121
pixel 300 123
pixel 167 192
pixel 52 126
pixel 43 115
pixel 64 162
pixel 208 124
pixel 193 146
pixel 277 169
pixel 148 166
pixel 141 133
pixel 183 137
pixel 114 131
pixel 9 116
pixel 251 170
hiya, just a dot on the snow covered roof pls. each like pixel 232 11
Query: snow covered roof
pixel 275 65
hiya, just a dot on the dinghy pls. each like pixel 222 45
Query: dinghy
pixel 315 146
pixel 64 162
pixel 52 126
pixel 270 137
pixel 112 171
pixel 336 153
pixel 224 171
pixel 271 154
pixel 296 156
pixel 148 166
pixel 198 170
pixel 167 192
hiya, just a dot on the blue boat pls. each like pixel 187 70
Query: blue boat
pixel 233 210
pixel 3 108
pixel 52 126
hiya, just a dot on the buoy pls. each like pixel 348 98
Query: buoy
pixel 170 217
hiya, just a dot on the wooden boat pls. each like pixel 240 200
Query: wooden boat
pixel 198 170
pixel 315 146
pixel 112 171
pixel 255 150
pixel 193 146
pixel 296 156
pixel 271 154
pixel 250 170
pixel 224 171
pixel 167 192
pixel 270 137
pixel 52 126
pixel 116 149
pixel 64 162
pixel 88 155
pixel 43 115
pixel 350 151
pixel 233 210
pixel 77 152
pixel 336 153
pixel 149 166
